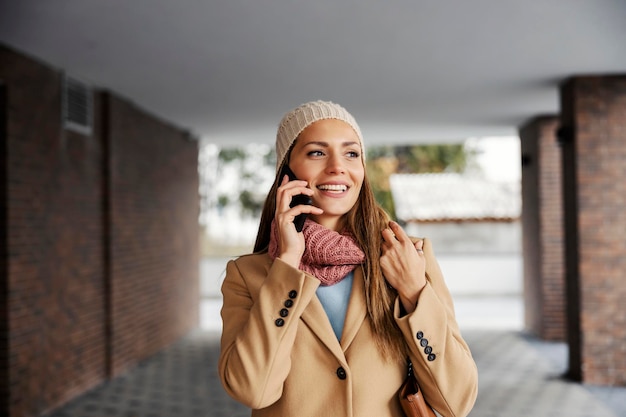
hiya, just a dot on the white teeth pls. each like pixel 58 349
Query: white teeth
pixel 332 187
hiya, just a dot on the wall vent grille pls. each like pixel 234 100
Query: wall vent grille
pixel 77 106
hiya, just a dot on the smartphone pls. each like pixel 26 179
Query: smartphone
pixel 298 199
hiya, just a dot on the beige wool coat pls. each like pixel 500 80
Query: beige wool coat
pixel 280 356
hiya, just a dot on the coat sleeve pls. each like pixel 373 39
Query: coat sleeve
pixel 260 315
pixel 441 358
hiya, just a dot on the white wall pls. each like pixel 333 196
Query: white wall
pixel 471 237
pixel 482 274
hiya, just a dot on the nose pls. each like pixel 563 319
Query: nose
pixel 335 165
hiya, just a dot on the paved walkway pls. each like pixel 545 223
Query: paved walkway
pixel 518 376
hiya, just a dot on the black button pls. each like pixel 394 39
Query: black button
pixel 424 342
pixel 432 357
pixel 420 334
pixel 279 322
pixel 288 303
pixel 284 312
pixel 428 350
pixel 341 373
pixel 293 294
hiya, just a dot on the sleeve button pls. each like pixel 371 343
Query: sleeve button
pixel 424 342
pixel 293 294
pixel 284 312
pixel 432 357
pixel 419 334
pixel 428 350
pixel 279 322
pixel 288 303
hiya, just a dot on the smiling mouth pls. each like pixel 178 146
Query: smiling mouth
pixel 333 188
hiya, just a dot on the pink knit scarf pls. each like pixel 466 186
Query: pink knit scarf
pixel 329 256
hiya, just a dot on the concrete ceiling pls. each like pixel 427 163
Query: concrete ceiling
pixel 410 71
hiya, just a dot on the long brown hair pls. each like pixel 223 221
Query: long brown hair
pixel 366 221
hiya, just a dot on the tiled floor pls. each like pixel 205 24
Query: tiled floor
pixel 518 376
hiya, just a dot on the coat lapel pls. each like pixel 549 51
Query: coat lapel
pixel 316 319
pixel 356 310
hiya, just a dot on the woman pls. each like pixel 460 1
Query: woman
pixel 321 322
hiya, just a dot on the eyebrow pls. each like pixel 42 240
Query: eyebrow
pixel 326 144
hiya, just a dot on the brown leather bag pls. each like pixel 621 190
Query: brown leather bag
pixel 411 398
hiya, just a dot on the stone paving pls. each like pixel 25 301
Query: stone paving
pixel 518 376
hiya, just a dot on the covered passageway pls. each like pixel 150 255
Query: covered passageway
pixel 103 106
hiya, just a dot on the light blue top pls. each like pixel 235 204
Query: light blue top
pixel 334 299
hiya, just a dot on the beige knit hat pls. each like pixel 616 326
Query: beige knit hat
pixel 295 121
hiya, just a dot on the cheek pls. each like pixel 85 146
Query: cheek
pixel 357 190
pixel 359 177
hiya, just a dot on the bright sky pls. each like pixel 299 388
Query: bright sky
pixel 499 157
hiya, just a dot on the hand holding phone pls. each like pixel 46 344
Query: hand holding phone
pixel 297 199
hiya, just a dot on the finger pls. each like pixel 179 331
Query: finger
pixel 288 190
pixel 289 214
pixel 419 247
pixel 398 231
pixel 388 236
pixel 296 187
pixel 287 185
pixel 305 208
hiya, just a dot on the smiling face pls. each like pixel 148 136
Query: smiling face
pixel 327 154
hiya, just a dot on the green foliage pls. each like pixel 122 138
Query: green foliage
pixel 249 204
pixel 431 158
pixel 222 200
pixel 248 161
pixel 270 157
pixel 227 155
pixel 382 161
pixel 378 171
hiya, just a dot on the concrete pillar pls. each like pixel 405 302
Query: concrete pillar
pixel 542 225
pixel 593 134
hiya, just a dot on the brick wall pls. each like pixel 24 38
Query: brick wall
pixel 594 121
pixel 542 213
pixel 4 285
pixel 551 230
pixel 154 233
pixel 55 272
pixel 101 240
pixel 531 240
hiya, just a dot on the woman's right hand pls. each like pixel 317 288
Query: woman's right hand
pixel 291 243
